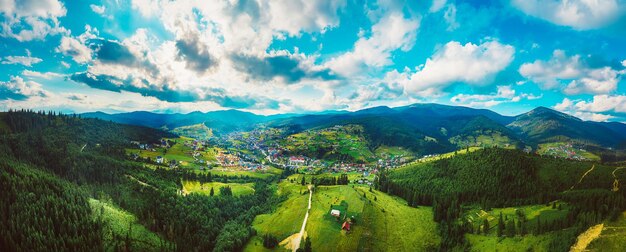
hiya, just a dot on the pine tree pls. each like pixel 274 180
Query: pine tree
pixel 307 244
pixel 485 226
pixel 500 225
pixel 510 228
pixel 212 192
pixel 538 231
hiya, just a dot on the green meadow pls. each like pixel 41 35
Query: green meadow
pixel 381 222
pixel 120 224
pixel 205 188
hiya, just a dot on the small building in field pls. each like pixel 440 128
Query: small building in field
pixel 346 226
pixel 159 160
pixel 335 212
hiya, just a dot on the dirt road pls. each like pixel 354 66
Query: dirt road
pixel 297 238
pixel 616 181
pixel 581 178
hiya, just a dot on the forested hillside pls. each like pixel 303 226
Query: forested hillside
pixel 496 177
pixel 52 164
pixel 39 212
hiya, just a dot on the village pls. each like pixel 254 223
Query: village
pixel 258 151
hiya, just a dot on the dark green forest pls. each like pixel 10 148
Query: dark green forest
pixel 52 163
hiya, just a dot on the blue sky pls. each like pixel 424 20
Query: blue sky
pixel 284 56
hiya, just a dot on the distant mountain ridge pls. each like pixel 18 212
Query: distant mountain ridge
pixel 429 127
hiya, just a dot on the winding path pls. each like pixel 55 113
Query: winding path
pixel 296 239
pixel 581 178
pixel 616 181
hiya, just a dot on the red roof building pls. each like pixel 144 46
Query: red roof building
pixel 346 226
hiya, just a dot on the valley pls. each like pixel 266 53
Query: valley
pixel 463 179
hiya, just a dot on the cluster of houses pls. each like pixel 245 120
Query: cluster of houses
pixel 565 150
pixel 195 145
pixel 391 162
pixel 239 160
pixel 144 146
pixel 227 160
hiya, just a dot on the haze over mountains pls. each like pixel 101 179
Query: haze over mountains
pixel 434 127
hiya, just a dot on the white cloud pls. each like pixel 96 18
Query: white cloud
pixel 22 60
pixel 40 15
pixel 76 47
pixel 572 71
pixel 97 9
pixel 597 81
pixel 72 47
pixel 17 89
pixel 392 32
pixel 603 103
pixel 469 63
pixel 311 15
pixel 147 8
pixel 450 17
pixel 504 94
pixel 596 109
pixel 437 5
pixel 43 75
pixel 578 14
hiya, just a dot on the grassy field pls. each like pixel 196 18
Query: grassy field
pixel 522 244
pixel 529 242
pixel 178 151
pixel 544 212
pixel 390 151
pixel 352 176
pixel 205 188
pixel 119 223
pixel 442 156
pixel 254 174
pixel 484 139
pixel 197 131
pixel 383 222
pixel 330 143
pixel 287 217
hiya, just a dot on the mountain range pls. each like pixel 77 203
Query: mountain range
pixel 421 127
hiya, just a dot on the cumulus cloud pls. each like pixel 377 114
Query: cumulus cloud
pixel 22 60
pixel 470 63
pixel 18 89
pixel 504 94
pixel 598 109
pixel 27 20
pixel 578 14
pixel 385 90
pixel 392 32
pixel 573 72
pixel 195 53
pixel 72 47
pixel 289 68
pixel 97 9
pixel 171 94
